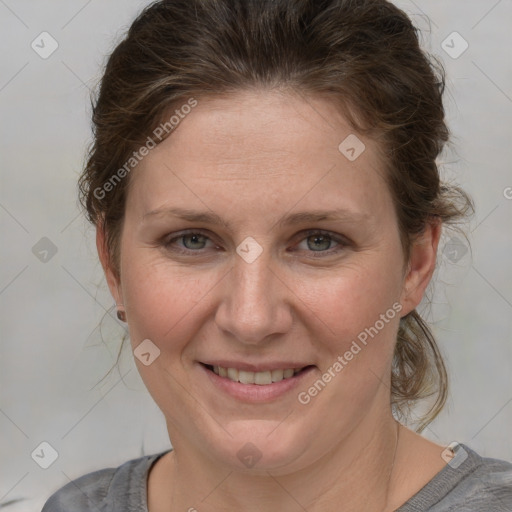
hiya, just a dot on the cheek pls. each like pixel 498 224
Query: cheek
pixel 161 300
pixel 360 314
pixel 354 298
pixel 163 304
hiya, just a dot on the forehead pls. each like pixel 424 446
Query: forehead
pixel 259 149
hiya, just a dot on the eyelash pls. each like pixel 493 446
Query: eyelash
pixel 167 244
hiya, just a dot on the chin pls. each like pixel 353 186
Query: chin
pixel 261 445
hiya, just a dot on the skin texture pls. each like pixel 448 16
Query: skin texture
pixel 253 158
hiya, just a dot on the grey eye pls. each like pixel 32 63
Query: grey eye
pixel 319 242
pixel 198 241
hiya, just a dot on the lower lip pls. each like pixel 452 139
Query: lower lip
pixel 255 393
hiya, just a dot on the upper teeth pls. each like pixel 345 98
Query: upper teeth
pixel 261 378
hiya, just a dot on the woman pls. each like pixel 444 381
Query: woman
pixel 268 208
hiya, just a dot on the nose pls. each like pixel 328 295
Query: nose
pixel 256 302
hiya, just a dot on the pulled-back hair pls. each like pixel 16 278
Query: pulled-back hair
pixel 363 54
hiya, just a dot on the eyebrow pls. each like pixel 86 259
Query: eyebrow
pixel 210 217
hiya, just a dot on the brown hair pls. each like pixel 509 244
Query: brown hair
pixel 363 54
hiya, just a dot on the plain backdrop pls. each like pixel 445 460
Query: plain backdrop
pixel 53 297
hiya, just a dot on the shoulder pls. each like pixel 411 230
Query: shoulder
pixel 487 487
pixel 468 483
pixel 109 489
pixel 89 492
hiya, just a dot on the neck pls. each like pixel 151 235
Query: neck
pixel 356 475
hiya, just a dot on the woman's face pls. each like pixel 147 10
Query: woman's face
pixel 254 278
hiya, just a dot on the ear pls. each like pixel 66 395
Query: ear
pixel 421 266
pixel 110 273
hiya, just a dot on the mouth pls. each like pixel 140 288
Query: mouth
pixel 261 378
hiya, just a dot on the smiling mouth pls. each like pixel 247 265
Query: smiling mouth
pixel 259 378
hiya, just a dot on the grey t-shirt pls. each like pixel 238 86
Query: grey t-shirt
pixel 468 483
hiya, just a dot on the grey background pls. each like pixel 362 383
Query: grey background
pixel 52 352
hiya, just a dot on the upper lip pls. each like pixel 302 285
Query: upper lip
pixel 260 367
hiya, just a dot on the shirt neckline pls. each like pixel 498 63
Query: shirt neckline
pixel 432 492
pixel 150 462
pixel 465 462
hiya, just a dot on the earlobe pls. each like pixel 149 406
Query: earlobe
pixel 422 262
pixel 105 259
